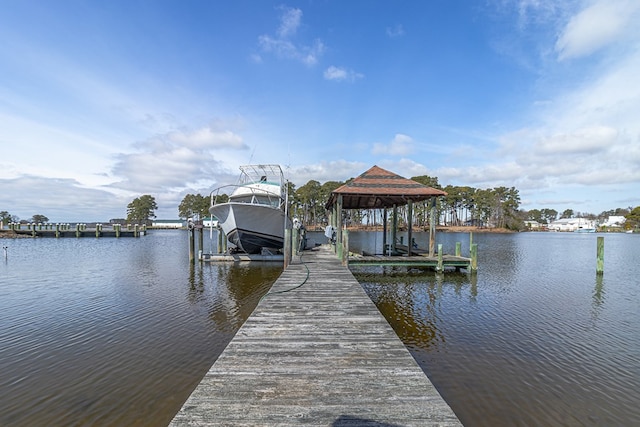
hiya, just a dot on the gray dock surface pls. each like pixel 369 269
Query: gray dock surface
pixel 321 354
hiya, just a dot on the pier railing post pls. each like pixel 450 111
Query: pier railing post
pixel 600 256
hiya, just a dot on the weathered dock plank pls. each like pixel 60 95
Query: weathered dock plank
pixel 320 354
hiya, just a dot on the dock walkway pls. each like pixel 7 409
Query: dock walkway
pixel 318 354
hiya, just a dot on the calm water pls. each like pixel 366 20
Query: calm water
pixel 113 331
pixel 119 331
pixel 535 339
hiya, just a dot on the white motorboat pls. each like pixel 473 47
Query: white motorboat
pixel 255 216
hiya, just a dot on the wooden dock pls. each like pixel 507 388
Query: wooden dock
pixel 316 351
pixel 58 231
pixel 447 261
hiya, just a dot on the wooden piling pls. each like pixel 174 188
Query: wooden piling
pixel 600 256
pixel 440 266
pixel 474 257
pixel 192 248
pixel 295 236
pixel 458 248
pixel 287 247
pixel 345 247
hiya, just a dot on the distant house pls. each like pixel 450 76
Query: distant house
pixel 572 224
pixel 168 223
pixel 210 222
pixel 614 221
pixel 533 225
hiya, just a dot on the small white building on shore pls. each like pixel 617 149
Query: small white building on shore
pixel 615 221
pixel 573 224
pixel 168 223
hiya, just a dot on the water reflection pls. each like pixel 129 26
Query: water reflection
pixel 410 299
pixel 533 338
pixel 114 331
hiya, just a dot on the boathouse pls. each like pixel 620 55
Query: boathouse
pixel 378 188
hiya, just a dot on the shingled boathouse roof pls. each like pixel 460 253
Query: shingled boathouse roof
pixel 378 188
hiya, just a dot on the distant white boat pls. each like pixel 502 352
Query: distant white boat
pixel 255 216
pixel 584 230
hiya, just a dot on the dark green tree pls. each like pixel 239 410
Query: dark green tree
pixel 567 213
pixel 141 209
pixel 6 218
pixel 39 219
pixel 549 215
pixel 633 217
pixel 194 206
pixel 311 200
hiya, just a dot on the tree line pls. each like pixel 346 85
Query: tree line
pixel 497 207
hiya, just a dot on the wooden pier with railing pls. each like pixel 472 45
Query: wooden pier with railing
pixel 316 351
pixel 75 230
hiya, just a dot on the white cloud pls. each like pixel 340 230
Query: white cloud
pixel 396 31
pixel 401 145
pixel 589 140
pixel 289 22
pixel 341 74
pixel 596 26
pixel 338 170
pixel 283 44
pixel 206 137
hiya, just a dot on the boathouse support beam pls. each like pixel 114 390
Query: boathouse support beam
pixel 394 229
pixel 432 227
pixel 384 231
pixel 409 225
pixel 339 226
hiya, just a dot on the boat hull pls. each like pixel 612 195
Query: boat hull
pixel 251 227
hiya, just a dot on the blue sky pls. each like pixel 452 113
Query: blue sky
pixel 102 102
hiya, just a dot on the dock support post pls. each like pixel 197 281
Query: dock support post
pixel 600 256
pixel 220 234
pixel 440 266
pixel 192 246
pixel 384 231
pixel 77 230
pixel 117 228
pixel 136 233
pixel 57 230
pixel 287 247
pixel 470 240
pixel 474 257
pixel 394 229
pixel 295 241
pixel 458 248
pixel 409 225
pixel 345 247
pixel 339 223
pixel 97 230
pixel 432 227
pixel 200 240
